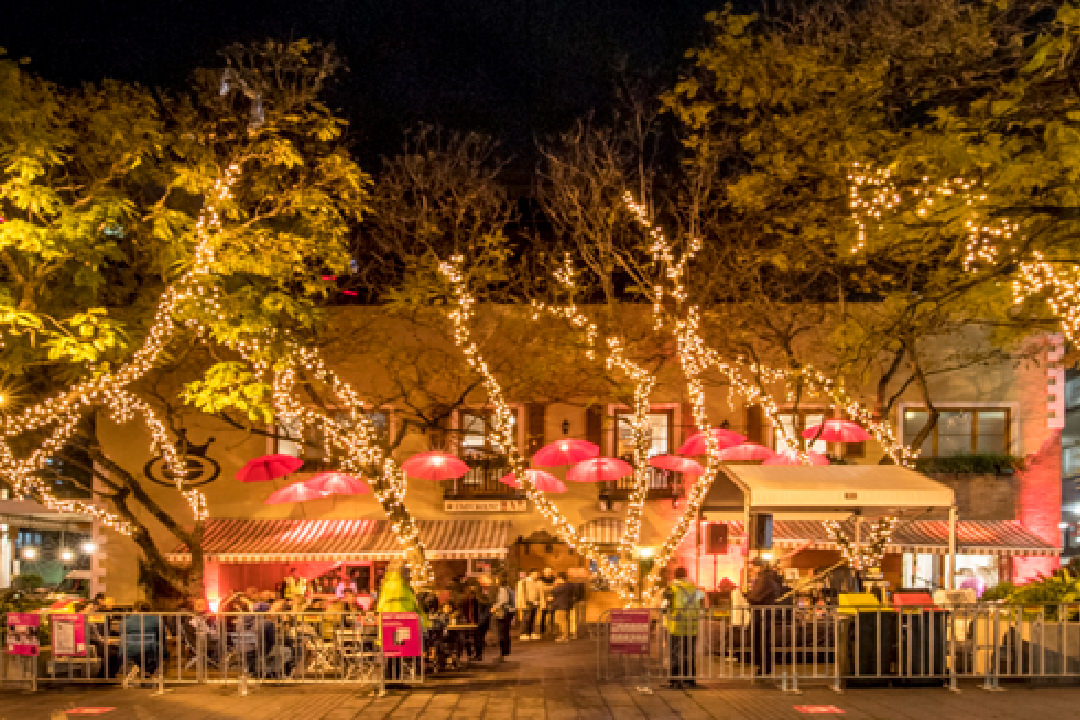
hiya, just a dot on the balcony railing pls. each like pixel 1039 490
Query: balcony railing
pixel 661 484
pixel 482 480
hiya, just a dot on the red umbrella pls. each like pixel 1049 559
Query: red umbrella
pixel 599 469
pixel 338 483
pixel 268 467
pixel 837 430
pixel 541 479
pixel 434 465
pixel 677 464
pixel 746 451
pixel 565 452
pixel 293 493
pixel 696 444
pixel 790 457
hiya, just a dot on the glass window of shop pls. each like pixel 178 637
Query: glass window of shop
pixel 660 435
pixel 308 443
pixel 961 431
pixel 977 572
pixel 791 426
pixel 920 570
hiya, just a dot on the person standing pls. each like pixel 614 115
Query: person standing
pixel 765 590
pixel 503 611
pixel 533 597
pixel 562 603
pixel 547 611
pixel 683 603
pixel 521 603
pixel 483 621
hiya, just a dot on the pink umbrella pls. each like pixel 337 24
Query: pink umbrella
pixel 268 467
pixel 677 464
pixel 565 452
pixel 599 469
pixel 434 465
pixel 293 493
pixel 837 430
pixel 696 444
pixel 541 479
pixel 338 483
pixel 746 451
pixel 790 457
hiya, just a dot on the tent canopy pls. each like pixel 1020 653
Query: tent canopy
pixel 823 492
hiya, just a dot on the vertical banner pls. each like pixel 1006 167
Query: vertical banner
pixel 400 633
pixel 22 633
pixel 68 634
pixel 629 632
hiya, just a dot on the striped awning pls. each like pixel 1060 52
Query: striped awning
pixel 973 537
pixel 242 540
pixel 602 531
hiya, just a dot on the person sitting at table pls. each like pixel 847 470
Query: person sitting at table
pixel 296 587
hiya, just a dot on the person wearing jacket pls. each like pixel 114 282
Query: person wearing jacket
pixel 532 600
pixel 683 603
pixel 503 612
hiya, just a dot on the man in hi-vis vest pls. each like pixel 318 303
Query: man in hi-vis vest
pixel 683 604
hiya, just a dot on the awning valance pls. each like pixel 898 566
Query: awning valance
pixel 246 540
pixel 973 537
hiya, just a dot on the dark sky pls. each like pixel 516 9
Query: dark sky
pixel 512 68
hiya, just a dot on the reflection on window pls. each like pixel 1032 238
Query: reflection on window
pixel 659 434
pixel 476 428
pixel 961 431
pixel 308 443
pixel 792 426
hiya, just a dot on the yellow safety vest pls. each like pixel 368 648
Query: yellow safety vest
pixel 685 609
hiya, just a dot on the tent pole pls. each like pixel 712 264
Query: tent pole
pixel 950 570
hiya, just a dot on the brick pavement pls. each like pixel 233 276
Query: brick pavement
pixel 542 682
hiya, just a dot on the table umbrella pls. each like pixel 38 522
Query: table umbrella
pixel 337 483
pixel 565 452
pixel 599 469
pixel 541 479
pixel 268 467
pixel 434 465
pixel 790 457
pixel 837 430
pixel 746 451
pixel 293 493
pixel 696 444
pixel 677 464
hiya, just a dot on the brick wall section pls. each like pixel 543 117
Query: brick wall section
pixel 984 497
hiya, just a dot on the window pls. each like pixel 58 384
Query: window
pixel 475 428
pixel 309 444
pixel 961 431
pixel 660 427
pixel 792 425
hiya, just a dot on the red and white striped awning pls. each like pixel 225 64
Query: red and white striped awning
pixel 242 540
pixel 973 537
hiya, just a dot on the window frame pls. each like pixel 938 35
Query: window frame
pixel 974 408
pixel 800 414
pixel 319 462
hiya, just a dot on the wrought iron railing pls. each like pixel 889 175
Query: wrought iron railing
pixel 482 480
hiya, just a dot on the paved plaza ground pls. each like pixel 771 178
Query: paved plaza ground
pixel 543 681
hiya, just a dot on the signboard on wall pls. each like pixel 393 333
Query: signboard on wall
pixel 400 632
pixel 629 631
pixel 485 506
pixel 22 633
pixel 68 634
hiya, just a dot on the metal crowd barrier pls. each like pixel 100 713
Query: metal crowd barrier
pixel 902 646
pixel 241 649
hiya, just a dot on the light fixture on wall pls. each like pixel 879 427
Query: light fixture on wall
pixel 566 426
pixel 89 547
pixel 28 552
pixel 66 555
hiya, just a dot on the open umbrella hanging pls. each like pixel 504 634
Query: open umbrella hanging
pixel 678 464
pixel 599 469
pixel 746 451
pixel 434 465
pixel 337 483
pixel 697 444
pixel 268 467
pixel 541 479
pixel 837 430
pixel 790 457
pixel 295 492
pixel 565 452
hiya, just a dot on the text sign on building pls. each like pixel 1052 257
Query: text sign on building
pixel 629 633
pixel 485 506
pixel 22 633
pixel 68 634
pixel 400 633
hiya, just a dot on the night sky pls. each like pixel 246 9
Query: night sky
pixel 516 69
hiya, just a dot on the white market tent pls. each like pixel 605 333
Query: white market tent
pixel 833 492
